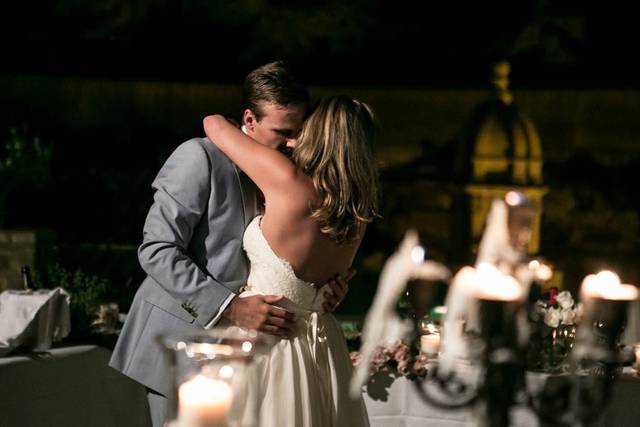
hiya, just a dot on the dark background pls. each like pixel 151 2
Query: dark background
pixel 566 43
pixel 96 189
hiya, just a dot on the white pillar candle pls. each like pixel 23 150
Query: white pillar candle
pixel 203 402
pixel 491 284
pixel 430 343
pixel 606 285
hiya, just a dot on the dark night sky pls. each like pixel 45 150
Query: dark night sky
pixel 362 42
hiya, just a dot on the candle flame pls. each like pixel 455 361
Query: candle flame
pixel 540 270
pixel 514 198
pixel 608 277
pixel 210 351
pixel 226 372
pixel 418 254
pixel 492 284
pixel 606 285
pixel 204 391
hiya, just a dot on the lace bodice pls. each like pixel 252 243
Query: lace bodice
pixel 271 275
pixel 314 357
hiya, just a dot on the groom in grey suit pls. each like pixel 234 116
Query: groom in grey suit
pixel 192 240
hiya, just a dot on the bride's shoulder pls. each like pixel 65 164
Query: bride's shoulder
pixel 300 185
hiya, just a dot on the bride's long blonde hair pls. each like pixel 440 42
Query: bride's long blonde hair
pixel 335 149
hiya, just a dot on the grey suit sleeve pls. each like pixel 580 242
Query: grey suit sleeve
pixel 183 188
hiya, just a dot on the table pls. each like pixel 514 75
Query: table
pixel 33 319
pixel 73 386
pixel 394 402
pixel 69 387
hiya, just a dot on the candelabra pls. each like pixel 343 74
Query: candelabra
pixel 487 330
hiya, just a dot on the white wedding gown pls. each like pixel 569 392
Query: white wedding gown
pixel 304 380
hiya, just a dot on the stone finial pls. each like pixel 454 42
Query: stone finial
pixel 500 81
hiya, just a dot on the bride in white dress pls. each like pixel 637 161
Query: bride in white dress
pixel 317 205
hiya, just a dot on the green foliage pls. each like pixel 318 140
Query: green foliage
pixel 87 291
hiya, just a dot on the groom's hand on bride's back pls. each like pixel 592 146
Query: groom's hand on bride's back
pixel 338 288
pixel 258 312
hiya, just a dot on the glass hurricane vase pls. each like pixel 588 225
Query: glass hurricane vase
pixel 215 378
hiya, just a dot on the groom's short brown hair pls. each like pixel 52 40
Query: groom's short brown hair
pixel 272 83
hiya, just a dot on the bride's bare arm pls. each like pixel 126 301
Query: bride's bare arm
pixel 267 167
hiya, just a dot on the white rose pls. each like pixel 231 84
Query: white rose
pixel 567 316
pixel 552 317
pixel 565 299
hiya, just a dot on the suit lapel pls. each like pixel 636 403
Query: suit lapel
pixel 248 193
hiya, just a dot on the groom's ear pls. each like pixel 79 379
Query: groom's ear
pixel 249 120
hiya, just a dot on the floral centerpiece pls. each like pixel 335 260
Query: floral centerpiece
pixel 554 321
pixel 395 358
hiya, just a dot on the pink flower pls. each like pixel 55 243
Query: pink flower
pixel 391 349
pixel 379 360
pixel 420 365
pixel 402 353
pixel 404 368
pixel 379 356
pixel 378 367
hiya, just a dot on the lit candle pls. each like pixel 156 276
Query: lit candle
pixel 540 270
pixel 492 284
pixel 606 285
pixel 606 301
pixel 207 350
pixel 498 294
pixel 430 343
pixel 203 402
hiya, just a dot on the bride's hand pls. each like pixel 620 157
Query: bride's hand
pixel 339 288
pixel 258 312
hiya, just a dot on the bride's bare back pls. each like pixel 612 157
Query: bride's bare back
pixel 317 205
pixel 296 237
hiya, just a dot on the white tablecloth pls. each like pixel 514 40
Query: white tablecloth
pixel 394 402
pixel 69 387
pixel 33 319
pixel 73 386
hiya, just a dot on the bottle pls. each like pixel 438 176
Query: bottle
pixel 26 278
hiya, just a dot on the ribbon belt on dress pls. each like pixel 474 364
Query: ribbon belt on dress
pixel 319 349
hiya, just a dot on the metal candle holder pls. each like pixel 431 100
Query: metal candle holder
pixel 498 382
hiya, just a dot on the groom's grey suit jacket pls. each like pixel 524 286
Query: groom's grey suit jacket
pixel 192 254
